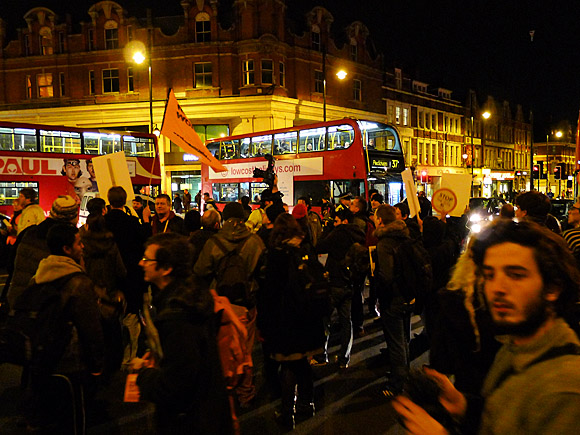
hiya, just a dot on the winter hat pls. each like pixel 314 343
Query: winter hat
pixel 64 208
pixel 233 210
pixel 273 211
pixel 299 211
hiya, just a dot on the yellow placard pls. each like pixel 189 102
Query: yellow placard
pixel 180 131
pixel 460 185
pixel 111 170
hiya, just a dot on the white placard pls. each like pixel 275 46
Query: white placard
pixel 111 170
pixel 460 184
pixel 286 186
pixel 411 189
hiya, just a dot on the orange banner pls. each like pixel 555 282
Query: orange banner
pixel 180 131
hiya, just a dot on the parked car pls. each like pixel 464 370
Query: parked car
pixel 482 209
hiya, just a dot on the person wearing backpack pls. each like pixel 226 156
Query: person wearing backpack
pixel 228 264
pixel 181 373
pixel 395 309
pixel 337 244
pixel 67 339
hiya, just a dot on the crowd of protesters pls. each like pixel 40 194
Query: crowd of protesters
pixel 183 302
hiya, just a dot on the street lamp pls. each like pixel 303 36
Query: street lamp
pixel 557 134
pixel 139 57
pixel 340 74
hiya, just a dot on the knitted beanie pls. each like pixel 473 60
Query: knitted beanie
pixel 64 208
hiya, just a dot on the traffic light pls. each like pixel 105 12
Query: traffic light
pixel 541 165
pixel 536 171
pixel 558 172
pixel 424 177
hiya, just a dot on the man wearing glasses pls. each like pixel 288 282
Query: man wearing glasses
pixel 572 234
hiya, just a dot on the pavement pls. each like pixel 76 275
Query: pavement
pixel 347 402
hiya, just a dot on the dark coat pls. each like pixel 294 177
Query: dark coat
pixel 198 239
pixel 103 261
pixel 173 224
pixel 390 237
pixel 453 342
pixel 130 237
pixel 285 322
pixel 189 378
pixel 336 245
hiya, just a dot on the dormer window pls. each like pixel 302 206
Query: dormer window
pixel 45 41
pixel 202 28
pixel 315 38
pixel 353 51
pixel 111 35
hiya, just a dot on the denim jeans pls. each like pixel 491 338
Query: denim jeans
pixel 341 300
pixel 396 319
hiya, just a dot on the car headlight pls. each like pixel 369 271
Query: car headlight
pixel 476 228
pixel 474 217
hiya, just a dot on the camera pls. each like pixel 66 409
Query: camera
pixel 268 175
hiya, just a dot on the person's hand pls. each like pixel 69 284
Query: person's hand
pixel 415 419
pixel 451 399
pixel 146 213
pixel 142 363
pixel 275 185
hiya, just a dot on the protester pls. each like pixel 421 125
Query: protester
pixel 530 282
pixel 235 235
pixel 182 373
pixel 165 220
pixel 51 398
pixel 186 201
pixel 177 204
pixel 104 265
pixel 31 213
pixel 210 224
pixel 572 234
pixel 130 236
pixel 291 331
pixel 336 245
pixel 191 222
pixel 395 312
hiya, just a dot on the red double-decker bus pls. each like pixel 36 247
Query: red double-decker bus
pixel 322 160
pixel 57 160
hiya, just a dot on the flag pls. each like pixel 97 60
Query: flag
pixel 180 131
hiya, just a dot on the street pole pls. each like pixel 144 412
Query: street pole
pixel 547 163
pixel 472 155
pixel 324 84
pixel 532 155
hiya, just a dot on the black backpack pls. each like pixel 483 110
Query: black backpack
pixel 36 333
pixel 232 278
pixel 413 271
pixel 357 261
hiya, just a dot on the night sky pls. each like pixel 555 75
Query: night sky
pixel 456 44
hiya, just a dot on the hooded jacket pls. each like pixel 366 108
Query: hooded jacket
pixel 336 244
pixel 86 348
pixel 189 378
pixel 390 237
pixel 233 232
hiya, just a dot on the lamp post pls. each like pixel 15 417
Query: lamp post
pixel 550 169
pixel 340 74
pixel 139 57
pixel 485 115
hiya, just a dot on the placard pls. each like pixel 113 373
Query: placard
pixel 460 185
pixel 411 189
pixel 443 201
pixel 112 170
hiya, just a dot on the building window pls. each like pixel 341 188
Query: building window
pixel 129 33
pixel 61 84
pixel 398 79
pixel 267 72
pixel 91 40
pixel 130 80
pixel 110 81
pixel 420 119
pixel 61 46
pixel 397 115
pixel 27 45
pixel 247 72
pixel 427 121
pixel 353 51
pixel 203 75
pixel 45 41
pixel 28 87
pixel 202 27
pixel 92 82
pixel 111 35
pixel 433 122
pixel 282 74
pixel 44 85
pixel 318 82
pixel 405 116
pixel 357 90
pixel 315 39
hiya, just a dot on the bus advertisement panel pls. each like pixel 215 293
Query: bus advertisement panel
pixel 58 161
pixel 323 160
